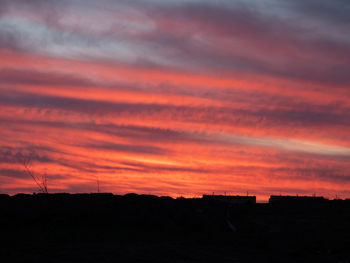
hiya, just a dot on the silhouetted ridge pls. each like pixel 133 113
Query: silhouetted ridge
pixel 163 229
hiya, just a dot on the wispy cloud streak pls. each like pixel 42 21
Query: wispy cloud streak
pixel 176 97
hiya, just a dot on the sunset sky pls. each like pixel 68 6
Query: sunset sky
pixel 176 97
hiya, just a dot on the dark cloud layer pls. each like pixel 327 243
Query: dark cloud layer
pixel 208 114
pixel 32 77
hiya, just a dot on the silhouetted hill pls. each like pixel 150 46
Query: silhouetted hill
pixel 146 228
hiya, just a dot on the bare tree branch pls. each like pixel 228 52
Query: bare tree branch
pixel 40 181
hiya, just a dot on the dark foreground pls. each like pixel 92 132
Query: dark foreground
pixel 139 228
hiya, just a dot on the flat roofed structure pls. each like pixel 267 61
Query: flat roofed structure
pixel 295 199
pixel 232 199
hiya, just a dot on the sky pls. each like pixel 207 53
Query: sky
pixel 176 97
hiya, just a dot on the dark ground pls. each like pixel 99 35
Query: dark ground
pixel 142 228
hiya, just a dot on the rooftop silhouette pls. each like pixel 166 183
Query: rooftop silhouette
pixel 164 229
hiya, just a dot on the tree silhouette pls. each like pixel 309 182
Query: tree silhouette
pixel 40 180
